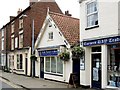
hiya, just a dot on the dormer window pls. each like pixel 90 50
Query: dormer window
pixel 92 14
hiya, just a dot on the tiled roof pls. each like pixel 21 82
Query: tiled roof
pixel 68 25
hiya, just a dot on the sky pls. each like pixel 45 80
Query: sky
pixel 10 8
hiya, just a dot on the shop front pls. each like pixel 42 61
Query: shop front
pixel 51 66
pixel 104 62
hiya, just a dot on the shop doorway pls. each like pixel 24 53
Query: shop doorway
pixel 96 67
pixel 41 67
pixel 76 67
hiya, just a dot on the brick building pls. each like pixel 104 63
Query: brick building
pixel 19 33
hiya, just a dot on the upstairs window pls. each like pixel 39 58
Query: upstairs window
pixel 92 14
pixel 20 23
pixel 2 32
pixel 16 42
pixel 2 44
pixel 12 43
pixel 50 36
pixel 12 28
pixel 20 40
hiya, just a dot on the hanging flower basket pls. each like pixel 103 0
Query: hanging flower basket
pixel 65 56
pixel 77 52
pixel 33 57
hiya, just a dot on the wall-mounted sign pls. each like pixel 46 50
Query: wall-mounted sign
pixel 48 52
pixel 110 40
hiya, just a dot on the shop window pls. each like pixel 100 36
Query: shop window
pixel 47 64
pixel 19 61
pixel 114 67
pixel 92 14
pixel 59 66
pixel 54 65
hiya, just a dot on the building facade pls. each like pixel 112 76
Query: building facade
pixel 59 32
pixel 3 47
pixel 20 31
pixel 100 37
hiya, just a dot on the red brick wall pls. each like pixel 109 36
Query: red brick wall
pixel 37 12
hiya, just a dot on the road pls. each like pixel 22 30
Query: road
pixel 4 86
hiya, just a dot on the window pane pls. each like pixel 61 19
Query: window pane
pixel 17 61
pixel 92 19
pixel 92 14
pixel 47 64
pixel 20 61
pixel 53 64
pixel 50 35
pixel 59 66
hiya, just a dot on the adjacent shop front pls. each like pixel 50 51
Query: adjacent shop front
pixel 105 62
pixel 51 66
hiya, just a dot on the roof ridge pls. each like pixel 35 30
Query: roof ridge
pixel 62 15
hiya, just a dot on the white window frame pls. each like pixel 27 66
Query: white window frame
pixel 21 41
pixel 12 43
pixel 50 36
pixel 88 25
pixel 2 45
pixel 20 23
pixel 19 62
pixel 12 28
pixel 2 32
pixel 50 71
pixel 16 42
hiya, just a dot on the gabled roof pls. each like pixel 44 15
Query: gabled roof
pixel 68 25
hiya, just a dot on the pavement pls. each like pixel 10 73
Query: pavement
pixel 29 83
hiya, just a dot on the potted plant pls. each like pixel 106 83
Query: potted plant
pixel 77 52
pixel 33 57
pixel 65 56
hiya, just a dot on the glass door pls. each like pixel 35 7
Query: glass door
pixel 96 67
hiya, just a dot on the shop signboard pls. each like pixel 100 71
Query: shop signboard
pixel 53 52
pixel 110 40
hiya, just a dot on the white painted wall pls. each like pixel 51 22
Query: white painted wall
pixel 57 41
pixel 85 75
pixel 47 43
pixel 107 19
pixel 104 66
pixel 23 52
pixel 109 25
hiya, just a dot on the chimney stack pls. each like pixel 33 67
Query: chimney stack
pixel 67 13
pixel 32 1
pixel 19 11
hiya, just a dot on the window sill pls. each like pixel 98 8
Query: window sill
pixel 92 27
pixel 19 70
pixel 50 40
pixel 55 74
